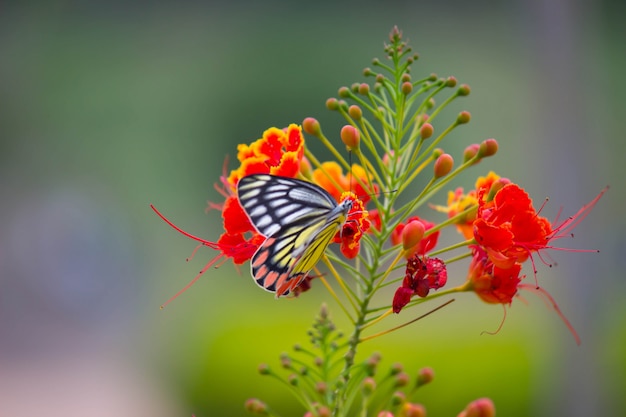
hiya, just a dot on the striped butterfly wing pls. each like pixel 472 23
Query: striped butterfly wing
pixel 298 219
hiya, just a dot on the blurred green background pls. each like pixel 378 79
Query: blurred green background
pixel 107 106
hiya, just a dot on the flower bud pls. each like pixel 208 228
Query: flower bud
pixel 380 78
pixel 323 411
pixel 344 92
pixel 497 186
pixel 264 369
pixel 306 170
pixel 437 152
pixel 405 78
pixel 430 103
pixel 332 104
pixel 406 88
pixel 424 376
pixel 402 379
pixel 482 407
pixel 412 410
pixel 368 385
pixel 488 147
pixel 412 234
pixel 471 152
pixel 397 398
pixel 443 165
pixel 463 90
pixel 311 126
pixel 396 368
pixel 343 105
pixel 350 136
pixel 256 406
pixel 387 158
pixel 451 82
pixel 367 72
pixel 321 387
pixel 385 414
pixel 293 380
pixel 285 361
pixel 426 130
pixel 395 35
pixel 463 117
pixel 355 112
pixel 432 77
pixel 354 87
pixel 364 89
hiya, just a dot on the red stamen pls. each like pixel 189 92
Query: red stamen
pixel 193 281
pixel 500 326
pixel 178 229
pixel 550 302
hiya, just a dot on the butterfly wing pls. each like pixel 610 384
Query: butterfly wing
pixel 299 220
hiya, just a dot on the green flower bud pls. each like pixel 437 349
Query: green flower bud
pixel 443 165
pixel 355 112
pixel 402 379
pixel 426 130
pixel 488 147
pixel 406 88
pixel 311 126
pixel 463 90
pixel 350 136
pixel 264 369
pixel 397 367
pixel 332 104
pixel 412 410
pixel 412 234
pixel 256 406
pixel 482 407
pixel 293 380
pixel 463 117
pixel 424 376
pixel 470 152
pixel 368 385
pixel 344 92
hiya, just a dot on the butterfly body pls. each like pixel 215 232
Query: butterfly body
pixel 298 220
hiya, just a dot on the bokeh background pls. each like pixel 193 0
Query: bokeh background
pixel 109 106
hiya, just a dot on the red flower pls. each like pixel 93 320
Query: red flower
pixel 510 229
pixel 422 274
pixel 491 283
pixel 497 285
pixel 229 245
pixel 357 224
pixel 425 245
pixel 459 202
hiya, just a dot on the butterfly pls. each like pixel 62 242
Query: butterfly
pixel 298 220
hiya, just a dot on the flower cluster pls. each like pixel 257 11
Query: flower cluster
pixel 384 224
